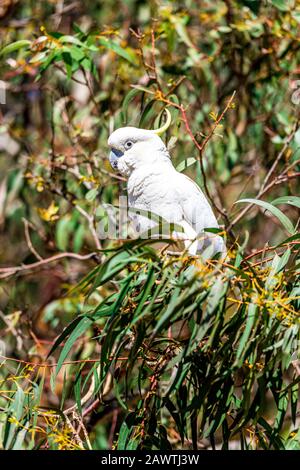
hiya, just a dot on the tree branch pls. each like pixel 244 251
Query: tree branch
pixel 9 271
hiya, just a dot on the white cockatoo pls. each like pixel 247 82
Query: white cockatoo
pixel 154 185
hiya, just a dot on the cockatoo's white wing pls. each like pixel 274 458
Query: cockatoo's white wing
pixel 195 207
pixel 196 210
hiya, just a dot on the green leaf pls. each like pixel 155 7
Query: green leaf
pixel 283 403
pixel 125 431
pixel 64 229
pixel 64 334
pixel 182 31
pixel 251 317
pixel 186 163
pixel 291 200
pixel 77 53
pixel 79 238
pixel 128 98
pixel 276 212
pixel 16 410
pixel 296 15
pixel 67 59
pixel 80 328
pixel 14 46
pixel 91 194
pixel 77 390
pixel 126 54
pixel 148 113
pixel 278 264
pixel 281 5
pixel 294 401
pixel 113 266
pixel 73 40
pixel 143 89
pixel 289 239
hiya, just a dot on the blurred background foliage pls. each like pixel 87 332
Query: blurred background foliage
pixel 147 350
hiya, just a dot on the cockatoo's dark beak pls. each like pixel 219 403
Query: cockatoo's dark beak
pixel 114 155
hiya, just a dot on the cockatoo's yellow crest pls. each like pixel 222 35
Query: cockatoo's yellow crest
pixel 166 125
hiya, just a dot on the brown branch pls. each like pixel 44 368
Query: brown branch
pixel 90 408
pixel 28 240
pixel 113 428
pixel 201 147
pixel 9 271
pixel 270 248
pixel 77 418
pixel 140 36
pixel 90 220
pixel 45 365
pixel 154 68
pixel 89 85
pixel 217 122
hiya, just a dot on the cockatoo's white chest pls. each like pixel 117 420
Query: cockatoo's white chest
pixel 148 185
pixel 152 189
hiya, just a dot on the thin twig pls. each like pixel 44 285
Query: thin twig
pixel 28 240
pixel 66 363
pixel 270 248
pixel 154 68
pixel 13 330
pixel 91 407
pixel 113 428
pixel 262 190
pixel 90 220
pixel 217 122
pixel 5 272
pixel 201 147
pixel 75 434
pixel 77 418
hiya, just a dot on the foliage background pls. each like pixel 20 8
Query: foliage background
pixel 129 347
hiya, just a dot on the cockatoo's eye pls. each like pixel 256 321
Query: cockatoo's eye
pixel 128 144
